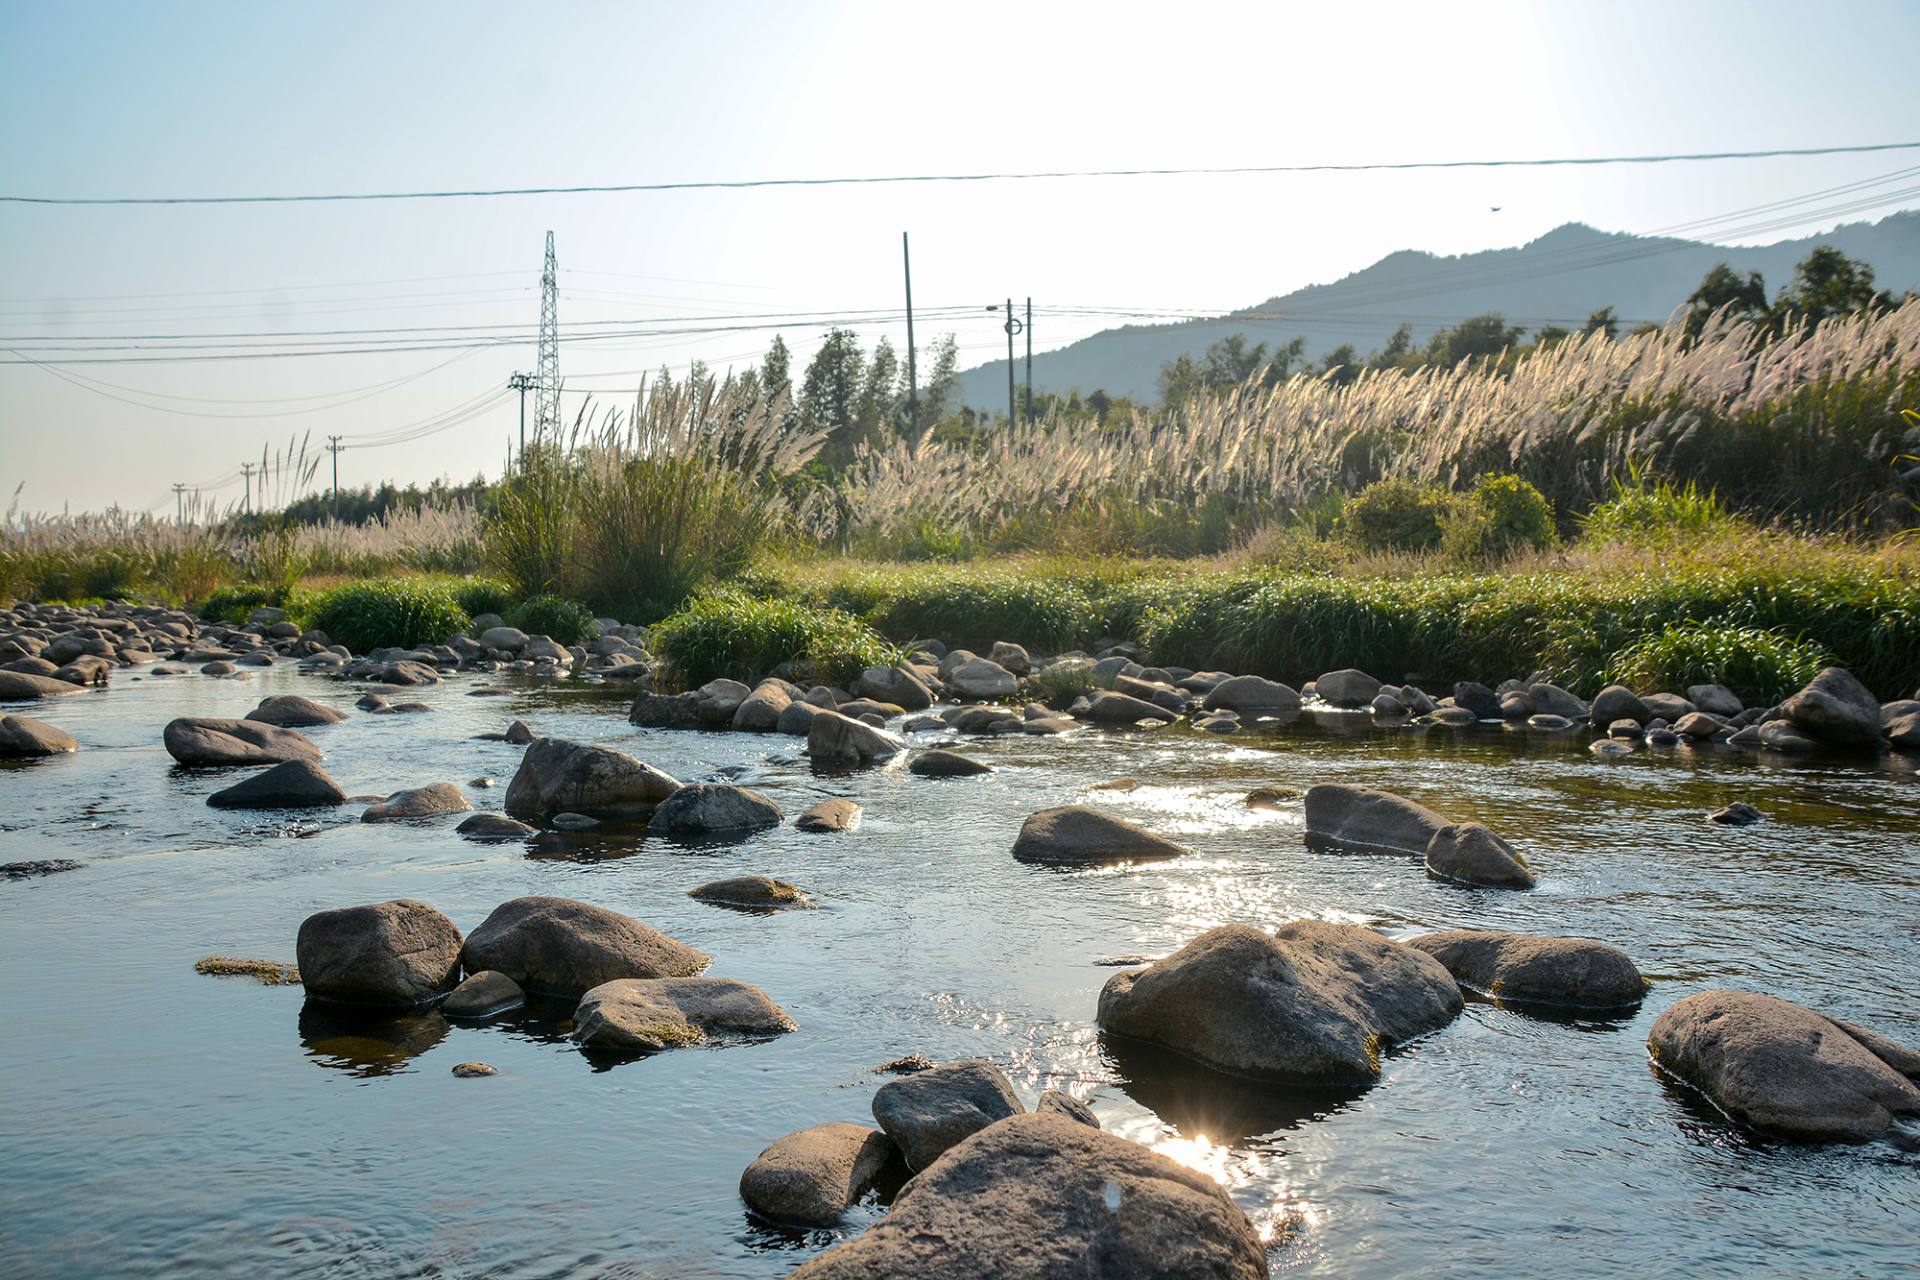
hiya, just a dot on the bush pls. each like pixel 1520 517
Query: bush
pixel 1058 683
pixel 1649 511
pixel 1763 667
pixel 484 595
pixel 235 603
pixel 973 611
pixel 732 635
pixel 1502 515
pixel 559 619
pixel 1395 515
pixel 390 613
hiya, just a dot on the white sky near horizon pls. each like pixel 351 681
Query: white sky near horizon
pixel 233 98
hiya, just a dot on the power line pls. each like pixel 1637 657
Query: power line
pixel 1010 176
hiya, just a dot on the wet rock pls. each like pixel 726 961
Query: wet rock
pixel 1537 968
pixel 666 711
pixel 37 867
pixel 1312 1003
pixel 294 784
pixel 796 720
pixel 947 764
pixel 22 737
pixel 1784 1069
pixel 1782 736
pixel 1715 699
pixel 561 947
pixel 474 1070
pixel 1077 835
pixel 895 685
pixel 980 679
pixel 1835 709
pixel 1347 688
pixel 1548 721
pixel 714 808
pixel 1054 1102
pixel 1118 708
pixel 645 1015
pixel 1045 1197
pixel 1610 748
pixel 1667 706
pixel 1551 699
pixel 1365 818
pixel 407 673
pixel 716 701
pixel 558 776
pixel 218 669
pixel 830 815
pixel 810 1178
pixel 375 703
pixel 1456 717
pixel 577 821
pixel 836 739
pixel 267 973
pixel 385 953
pixel 1468 853
pixel 1517 705
pixel 1478 699
pixel 482 995
pixel 1903 730
pixel 927 1112
pixel 1625 727
pixel 1270 797
pixel 495 826
pixel 905 1066
pixel 1617 702
pixel 985 720
pixel 759 711
pixel 1737 814
pixel 519 734
pixel 419 802
pixel 291 711
pixel 760 892
pixel 209 742
pixel 1698 725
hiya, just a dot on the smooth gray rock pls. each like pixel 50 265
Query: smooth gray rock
pixel 293 784
pixel 927 1112
pixel 1551 699
pixel 1468 853
pixel 796 719
pixel 1365 818
pixel 716 701
pixel 558 946
pixel 1784 1069
pixel 26 686
pixel 1043 1197
pixel 1108 707
pixel 419 802
pixel 483 994
pixel 291 711
pixel 810 1178
pixel 1537 968
pixel 836 739
pixel 1667 706
pixel 385 953
pixel 495 826
pixel 1054 1102
pixel 1617 702
pixel 1347 688
pixel 714 808
pixel 1477 698
pixel 645 1015
pixel 1698 725
pixel 1715 699
pixel 1312 1003
pixel 759 711
pixel 896 685
pixel 558 776
pixel 207 742
pixel 979 679
pixel 22 738
pixel 947 764
pixel 1077 835
pixel 1835 709
pixel 1737 814
pixel 1251 696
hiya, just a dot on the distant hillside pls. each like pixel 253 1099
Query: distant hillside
pixel 1557 279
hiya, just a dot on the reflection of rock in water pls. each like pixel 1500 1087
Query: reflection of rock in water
pixel 368 1042
pixel 1199 1100
pixel 611 839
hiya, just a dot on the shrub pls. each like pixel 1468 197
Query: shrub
pixel 390 613
pixel 732 635
pixel 1502 515
pixel 1395 515
pixel 1058 683
pixel 1647 510
pixel 484 595
pixel 972 612
pixel 1761 666
pixel 235 603
pixel 561 620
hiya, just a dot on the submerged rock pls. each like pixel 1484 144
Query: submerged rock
pixel 1537 968
pixel 714 808
pixel 1784 1069
pixel 295 784
pixel 1312 1003
pixel 947 764
pixel 1468 853
pixel 1737 814
pixel 927 1112
pixel 558 776
pixel 810 1178
pixel 1362 817
pixel 1043 1197
pixel 1076 834
pixel 207 742
pixel 835 814
pixel 385 953
pixel 645 1015
pixel 562 947
pixel 762 892
pixel 474 1070
pixel 495 826
pixel 419 802
pixel 37 867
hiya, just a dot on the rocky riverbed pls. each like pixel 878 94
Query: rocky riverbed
pixel 1501 1102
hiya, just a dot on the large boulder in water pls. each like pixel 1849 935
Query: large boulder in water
pixel 1251 696
pixel 836 739
pixel 1617 702
pixel 558 776
pixel 1536 968
pixel 1123 708
pixel 28 686
pixel 1074 834
pixel 1312 1003
pixel 202 741
pixel 419 802
pixel 1365 818
pixel 1784 1069
pixel 295 784
pixel 291 711
pixel 1044 1197
pixel 1835 709
pixel 810 1178
pixel 21 737
pixel 646 1015
pixel 1477 698
pixel 714 808
pixel 563 947
pixel 1346 688
pixel 1468 853
pixel 931 1110
pixel 759 711
pixel 386 953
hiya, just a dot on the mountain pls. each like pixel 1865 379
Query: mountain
pixel 1558 279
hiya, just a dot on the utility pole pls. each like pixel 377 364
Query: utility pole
pixel 1028 327
pixel 913 376
pixel 179 503
pixel 335 448
pixel 1012 327
pixel 546 412
pixel 523 383
pixel 246 473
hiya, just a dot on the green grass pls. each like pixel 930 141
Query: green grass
pixel 390 613
pixel 1763 667
pixel 561 620
pixel 737 636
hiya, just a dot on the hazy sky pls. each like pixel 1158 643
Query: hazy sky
pixel 245 98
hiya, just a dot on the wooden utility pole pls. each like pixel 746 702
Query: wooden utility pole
pixel 1029 379
pixel 334 447
pixel 246 473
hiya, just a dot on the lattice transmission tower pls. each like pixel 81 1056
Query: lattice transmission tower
pixel 546 410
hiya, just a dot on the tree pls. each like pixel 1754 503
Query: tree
pixel 1722 287
pixel 879 413
pixel 1482 336
pixel 1227 364
pixel 1340 365
pixel 1603 321
pixel 1549 334
pixel 776 377
pixel 1285 359
pixel 830 397
pixel 1398 348
pixel 1828 283
pixel 943 381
